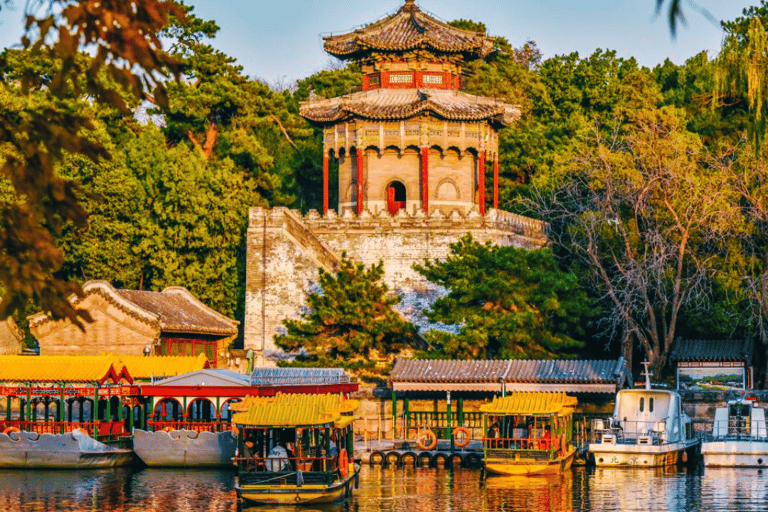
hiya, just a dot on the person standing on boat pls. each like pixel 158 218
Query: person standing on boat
pixel 277 460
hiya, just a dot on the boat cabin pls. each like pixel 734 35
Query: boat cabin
pixel 647 416
pixel 295 447
pixel 740 419
pixel 528 433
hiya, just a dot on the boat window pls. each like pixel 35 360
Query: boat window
pixel 650 405
pixel 642 404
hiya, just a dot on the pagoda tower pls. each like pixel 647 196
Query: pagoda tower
pixel 410 139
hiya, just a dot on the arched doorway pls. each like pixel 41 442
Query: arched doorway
pixel 395 197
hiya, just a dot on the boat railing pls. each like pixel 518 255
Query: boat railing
pixel 735 431
pixel 286 464
pixel 101 430
pixel 197 426
pixel 628 432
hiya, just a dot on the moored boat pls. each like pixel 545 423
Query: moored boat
pixel 295 449
pixel 738 437
pixel 180 448
pixel 529 433
pixel 72 450
pixel 648 429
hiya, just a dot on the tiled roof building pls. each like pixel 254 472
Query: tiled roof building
pixel 499 376
pixel 411 139
pixel 132 322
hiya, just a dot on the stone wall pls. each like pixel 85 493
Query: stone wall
pixel 285 250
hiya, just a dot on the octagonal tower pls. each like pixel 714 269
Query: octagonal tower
pixel 410 139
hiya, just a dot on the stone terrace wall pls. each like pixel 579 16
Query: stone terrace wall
pixel 285 250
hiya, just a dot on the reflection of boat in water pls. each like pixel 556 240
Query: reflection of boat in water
pixel 648 429
pixel 529 433
pixel 541 493
pixel 71 450
pixel 177 448
pixel 295 449
pixel 738 436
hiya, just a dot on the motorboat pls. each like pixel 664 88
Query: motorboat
pixel 738 437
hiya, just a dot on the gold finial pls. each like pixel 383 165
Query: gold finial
pixel 410 5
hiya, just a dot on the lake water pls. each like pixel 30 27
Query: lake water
pixel 398 490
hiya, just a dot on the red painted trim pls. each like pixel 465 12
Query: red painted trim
pixel 359 181
pixel 481 181
pixel 425 179
pixel 325 183
pixel 496 183
pixel 230 392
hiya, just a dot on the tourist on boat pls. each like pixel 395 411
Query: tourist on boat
pixel 277 460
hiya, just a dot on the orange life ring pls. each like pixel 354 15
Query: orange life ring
pixel 466 436
pixel 430 436
pixel 8 430
pixel 343 463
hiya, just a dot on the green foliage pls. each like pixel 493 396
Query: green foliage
pixel 351 324
pixel 505 302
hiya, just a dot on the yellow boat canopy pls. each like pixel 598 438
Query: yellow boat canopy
pixel 294 410
pixel 532 403
pixel 66 369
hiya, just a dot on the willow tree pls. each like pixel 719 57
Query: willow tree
pixel 742 65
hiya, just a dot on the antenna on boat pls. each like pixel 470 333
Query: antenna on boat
pixel 647 374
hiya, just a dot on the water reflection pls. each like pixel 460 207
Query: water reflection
pixel 550 493
pixel 397 490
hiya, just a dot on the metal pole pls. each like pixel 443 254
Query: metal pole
pixel 450 426
pixel 394 415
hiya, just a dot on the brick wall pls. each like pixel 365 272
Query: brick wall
pixel 285 250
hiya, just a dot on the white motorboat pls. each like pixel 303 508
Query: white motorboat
pixel 648 429
pixel 738 437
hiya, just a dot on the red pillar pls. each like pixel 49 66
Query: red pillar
pixel 496 183
pixel 325 183
pixel 425 179
pixel 481 181
pixel 359 181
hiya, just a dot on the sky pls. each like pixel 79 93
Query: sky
pixel 280 41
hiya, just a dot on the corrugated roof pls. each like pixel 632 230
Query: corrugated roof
pixel 511 370
pixel 398 104
pixel 147 367
pixel 73 369
pixel 292 410
pixel 409 28
pixel 207 377
pixel 712 350
pixel 530 403
pixel 445 370
pixel 179 311
pixel 298 376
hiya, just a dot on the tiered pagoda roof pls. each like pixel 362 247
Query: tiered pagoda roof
pixel 408 29
pixel 395 104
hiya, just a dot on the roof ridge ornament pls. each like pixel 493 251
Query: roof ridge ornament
pixel 410 5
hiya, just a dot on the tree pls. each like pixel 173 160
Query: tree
pixel 44 124
pixel 351 324
pixel 643 217
pixel 741 67
pixel 504 302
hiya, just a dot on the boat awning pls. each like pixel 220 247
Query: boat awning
pixel 63 369
pixel 530 404
pixel 294 410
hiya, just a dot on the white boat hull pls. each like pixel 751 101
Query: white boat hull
pixel 735 453
pixel 184 448
pixel 59 451
pixel 633 455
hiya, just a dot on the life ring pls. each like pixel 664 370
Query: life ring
pixel 430 436
pixel 466 436
pixel 8 430
pixel 343 463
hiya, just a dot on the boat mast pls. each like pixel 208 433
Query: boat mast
pixel 647 374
